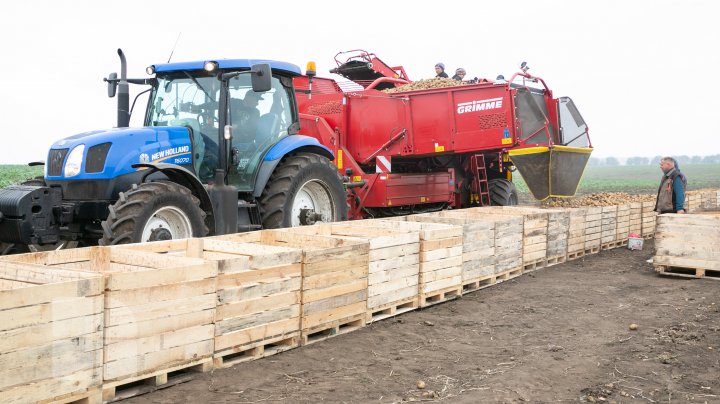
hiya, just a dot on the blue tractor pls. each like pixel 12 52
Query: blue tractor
pixel 219 153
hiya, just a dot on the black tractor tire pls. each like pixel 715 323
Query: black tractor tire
pixel 294 174
pixel 128 217
pixel 502 192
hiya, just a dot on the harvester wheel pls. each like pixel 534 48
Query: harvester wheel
pixel 502 192
pixel 154 211
pixel 304 189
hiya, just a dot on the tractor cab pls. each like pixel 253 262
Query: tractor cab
pixel 220 102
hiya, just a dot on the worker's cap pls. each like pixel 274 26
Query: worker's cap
pixel 459 70
pixel 440 65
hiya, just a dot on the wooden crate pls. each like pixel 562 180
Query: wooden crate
pixel 635 218
pixel 478 253
pixel 688 245
pixel 508 240
pixel 440 276
pixel 648 219
pixel 709 200
pixel 535 232
pixel 334 280
pixel 51 334
pixel 159 310
pixel 394 265
pixel 623 224
pixel 609 227
pixel 576 233
pixel 693 201
pixel 258 295
pixel 593 229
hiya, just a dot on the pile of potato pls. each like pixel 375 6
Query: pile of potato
pixel 330 107
pixel 598 199
pixel 436 82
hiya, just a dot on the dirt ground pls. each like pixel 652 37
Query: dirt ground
pixel 560 334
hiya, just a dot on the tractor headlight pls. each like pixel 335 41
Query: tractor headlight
pixel 74 161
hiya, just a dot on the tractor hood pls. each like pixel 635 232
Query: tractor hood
pixel 110 153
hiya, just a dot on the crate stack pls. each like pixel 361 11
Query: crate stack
pixel 558 235
pixel 159 311
pixel 51 334
pixel 688 245
pixel 593 229
pixel 623 225
pixel 334 280
pixel 508 240
pixel 693 202
pixel 635 218
pixel 258 295
pixel 441 245
pixel 576 233
pixel 648 219
pixel 394 265
pixel 478 254
pixel 608 235
pixel 709 200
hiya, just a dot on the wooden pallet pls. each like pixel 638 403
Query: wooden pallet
pixel 479 283
pixel 592 250
pixel 507 275
pixel 333 329
pixel 556 260
pixel 687 272
pixel 440 296
pixel 575 255
pixel 534 265
pixel 648 236
pixel 146 383
pixel 91 396
pixel 613 244
pixel 392 309
pixel 256 350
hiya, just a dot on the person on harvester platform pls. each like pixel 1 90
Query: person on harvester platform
pixel 440 70
pixel 671 194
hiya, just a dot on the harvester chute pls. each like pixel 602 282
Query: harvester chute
pixel 551 172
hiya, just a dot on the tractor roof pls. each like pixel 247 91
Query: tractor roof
pixel 229 64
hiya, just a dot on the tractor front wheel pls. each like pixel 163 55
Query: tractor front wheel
pixel 304 189
pixel 154 211
pixel 502 192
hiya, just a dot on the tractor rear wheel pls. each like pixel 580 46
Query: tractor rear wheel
pixel 502 192
pixel 154 211
pixel 304 189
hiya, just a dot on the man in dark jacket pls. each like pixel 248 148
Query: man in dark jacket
pixel 440 70
pixel 459 74
pixel 671 194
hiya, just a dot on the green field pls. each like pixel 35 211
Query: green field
pixel 630 179
pixel 14 174
pixel 637 179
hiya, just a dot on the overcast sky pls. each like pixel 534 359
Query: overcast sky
pixel 642 73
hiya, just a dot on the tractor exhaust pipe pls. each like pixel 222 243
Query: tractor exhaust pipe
pixel 123 106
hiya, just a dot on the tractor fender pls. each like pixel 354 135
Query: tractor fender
pixel 182 176
pixel 289 144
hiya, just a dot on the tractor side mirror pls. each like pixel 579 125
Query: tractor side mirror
pixel 261 77
pixel 112 84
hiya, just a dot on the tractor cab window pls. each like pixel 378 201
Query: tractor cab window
pixel 258 121
pixel 185 100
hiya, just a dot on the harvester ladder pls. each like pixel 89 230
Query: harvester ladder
pixel 480 181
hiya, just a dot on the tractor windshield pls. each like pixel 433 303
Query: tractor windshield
pixel 181 99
